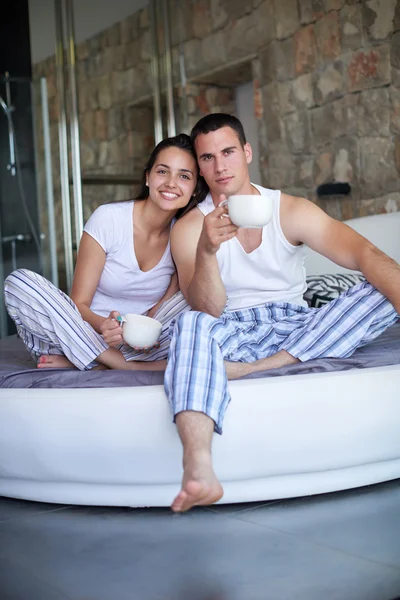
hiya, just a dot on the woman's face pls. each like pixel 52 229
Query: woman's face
pixel 172 179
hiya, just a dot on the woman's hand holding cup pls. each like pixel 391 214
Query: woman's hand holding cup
pixel 111 330
pixel 140 332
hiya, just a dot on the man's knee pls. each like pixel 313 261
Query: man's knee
pixel 195 318
pixel 196 324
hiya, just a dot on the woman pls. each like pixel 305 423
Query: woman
pixel 124 265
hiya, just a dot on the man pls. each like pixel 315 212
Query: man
pixel 246 289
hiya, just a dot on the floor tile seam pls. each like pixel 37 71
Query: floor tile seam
pixel 83 509
pixel 367 492
pixel 242 510
pixel 26 518
pixel 322 545
pixel 238 517
pixel 33 515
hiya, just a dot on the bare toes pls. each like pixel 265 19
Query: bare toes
pixel 179 501
pixel 194 493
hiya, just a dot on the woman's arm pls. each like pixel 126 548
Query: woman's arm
pixel 171 290
pixel 89 267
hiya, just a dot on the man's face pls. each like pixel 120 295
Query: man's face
pixel 223 161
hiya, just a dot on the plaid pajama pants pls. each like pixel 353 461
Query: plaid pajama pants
pixel 195 378
pixel 48 322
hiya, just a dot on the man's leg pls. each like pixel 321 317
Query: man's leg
pixel 353 320
pixel 273 323
pixel 196 386
pixel 336 330
pixel 200 485
pixel 234 370
pixel 196 379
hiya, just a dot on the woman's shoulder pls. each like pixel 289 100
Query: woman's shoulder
pixel 114 207
pixel 110 211
pixel 107 218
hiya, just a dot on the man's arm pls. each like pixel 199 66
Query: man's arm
pixel 194 243
pixel 302 221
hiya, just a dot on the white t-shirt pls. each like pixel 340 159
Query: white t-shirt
pixel 273 272
pixel 123 286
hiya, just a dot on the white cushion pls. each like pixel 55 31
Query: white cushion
pixel 283 437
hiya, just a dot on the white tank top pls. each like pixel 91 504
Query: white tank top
pixel 273 272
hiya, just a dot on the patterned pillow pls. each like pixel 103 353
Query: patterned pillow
pixel 321 289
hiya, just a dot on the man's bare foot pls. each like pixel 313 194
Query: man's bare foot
pixel 234 370
pixel 199 488
pixel 54 361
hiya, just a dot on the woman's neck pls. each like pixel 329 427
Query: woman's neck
pixel 151 219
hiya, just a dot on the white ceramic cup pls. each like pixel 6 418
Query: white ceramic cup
pixel 251 211
pixel 139 331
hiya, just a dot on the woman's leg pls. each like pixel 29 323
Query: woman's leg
pixel 128 359
pixel 49 324
pixel 166 314
pixel 48 321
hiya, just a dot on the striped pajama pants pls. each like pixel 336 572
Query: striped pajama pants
pixel 195 378
pixel 48 322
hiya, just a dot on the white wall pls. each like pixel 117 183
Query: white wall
pixel 244 98
pixel 91 17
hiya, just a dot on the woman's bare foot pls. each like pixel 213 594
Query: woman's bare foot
pixel 200 487
pixel 54 361
pixel 59 361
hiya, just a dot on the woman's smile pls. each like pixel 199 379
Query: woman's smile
pixel 169 195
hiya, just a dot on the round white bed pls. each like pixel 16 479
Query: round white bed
pixel 283 436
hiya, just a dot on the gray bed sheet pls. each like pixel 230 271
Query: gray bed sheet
pixel 17 369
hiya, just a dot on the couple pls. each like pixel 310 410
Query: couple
pixel 245 288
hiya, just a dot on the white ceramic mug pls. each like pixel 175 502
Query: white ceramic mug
pixel 139 331
pixel 251 211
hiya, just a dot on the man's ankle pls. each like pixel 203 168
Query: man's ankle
pixel 197 458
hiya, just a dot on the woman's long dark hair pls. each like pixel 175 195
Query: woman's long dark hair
pixel 181 141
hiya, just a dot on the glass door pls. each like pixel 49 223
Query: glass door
pixel 19 217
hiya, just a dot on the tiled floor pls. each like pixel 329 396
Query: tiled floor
pixel 343 546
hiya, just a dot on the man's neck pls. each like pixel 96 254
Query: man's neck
pixel 247 189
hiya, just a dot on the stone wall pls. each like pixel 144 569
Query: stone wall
pixel 326 76
pixel 330 94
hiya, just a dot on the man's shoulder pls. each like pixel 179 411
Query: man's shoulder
pixel 290 202
pixel 294 210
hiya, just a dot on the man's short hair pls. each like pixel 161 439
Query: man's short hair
pixel 216 121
